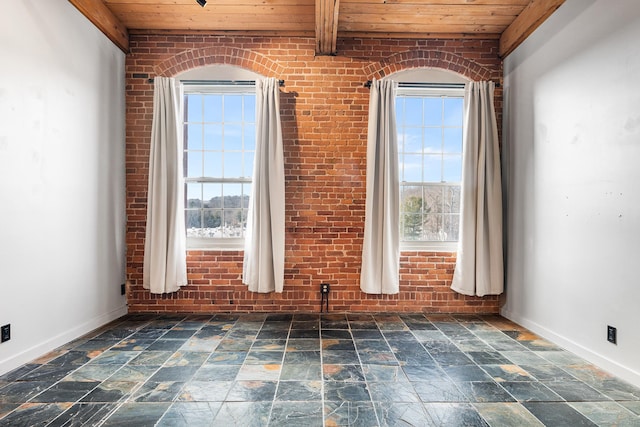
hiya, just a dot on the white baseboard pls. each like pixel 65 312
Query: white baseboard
pixel 597 359
pixel 32 353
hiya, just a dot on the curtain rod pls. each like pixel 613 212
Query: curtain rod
pixel 221 82
pixel 428 85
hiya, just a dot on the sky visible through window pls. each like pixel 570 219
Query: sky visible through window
pixel 430 156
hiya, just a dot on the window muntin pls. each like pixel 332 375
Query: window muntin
pixel 219 147
pixel 429 126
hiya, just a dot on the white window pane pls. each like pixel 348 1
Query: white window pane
pixel 249 108
pixel 193 222
pixel 248 164
pixel 454 194
pixel 232 108
pixel 211 219
pixel 433 199
pixel 451 227
pixel 453 112
pixel 213 137
pixel 412 168
pixel 194 108
pixel 232 196
pixel 412 137
pixel 194 164
pixel 246 191
pixel 432 168
pixel 249 137
pixel 213 108
pixel 194 137
pixel 451 199
pixel 432 228
pixel 233 137
pixel 212 195
pixel 452 165
pixel 213 164
pixel 233 164
pixel 411 227
pixel 194 195
pixel 432 111
pixel 413 111
pixel 432 140
pixel 453 140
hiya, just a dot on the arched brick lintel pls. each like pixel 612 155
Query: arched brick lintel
pixel 196 58
pixel 428 59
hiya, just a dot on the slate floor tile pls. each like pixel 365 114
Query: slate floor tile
pixel 245 414
pixel 252 391
pixel 453 414
pixel 346 391
pixel 83 414
pixel 298 414
pixel 557 414
pixel 34 414
pixel 356 414
pixel 311 369
pixel 190 414
pixel 439 390
pixel 402 414
pixel 342 372
pixel 606 413
pixel 575 391
pixel 110 391
pixel 66 391
pixel 531 392
pixel 507 415
pixel 484 391
pixel 136 414
pixel 301 372
pixel 205 391
pixel 299 391
pixel 392 392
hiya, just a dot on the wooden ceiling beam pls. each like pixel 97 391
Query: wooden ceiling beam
pixel 105 20
pixel 327 26
pixel 533 15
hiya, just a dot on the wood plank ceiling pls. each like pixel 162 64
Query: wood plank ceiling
pixel 511 21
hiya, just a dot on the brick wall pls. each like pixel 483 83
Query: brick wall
pixel 324 108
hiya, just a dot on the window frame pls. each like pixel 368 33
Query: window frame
pixel 422 90
pixel 223 88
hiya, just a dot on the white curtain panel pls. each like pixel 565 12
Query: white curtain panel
pixel 479 266
pixel 165 265
pixel 263 267
pixel 381 245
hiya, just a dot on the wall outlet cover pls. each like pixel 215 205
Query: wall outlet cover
pixel 612 335
pixel 5 333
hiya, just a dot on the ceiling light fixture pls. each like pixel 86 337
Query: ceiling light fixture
pixel 202 2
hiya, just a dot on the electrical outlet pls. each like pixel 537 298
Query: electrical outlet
pixel 5 333
pixel 123 289
pixel 324 288
pixel 612 335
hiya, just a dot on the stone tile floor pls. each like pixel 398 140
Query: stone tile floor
pixel 314 370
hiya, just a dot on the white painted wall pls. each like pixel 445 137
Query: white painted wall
pixel 62 220
pixel 572 146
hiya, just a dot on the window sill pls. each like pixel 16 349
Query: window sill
pixel 209 244
pixel 428 246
